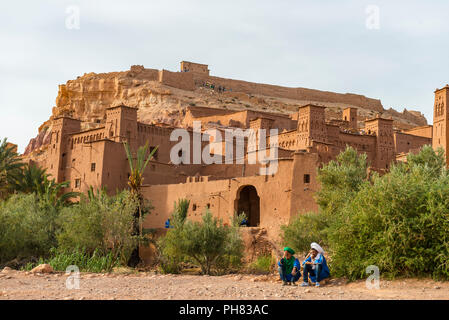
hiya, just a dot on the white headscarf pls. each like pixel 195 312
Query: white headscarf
pixel 317 247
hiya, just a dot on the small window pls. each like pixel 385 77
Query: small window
pixel 77 183
pixel 155 153
pixel 92 167
pixel 307 178
pixel 208 206
pixel 180 153
pixel 194 207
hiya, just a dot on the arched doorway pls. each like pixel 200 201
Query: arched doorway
pixel 248 201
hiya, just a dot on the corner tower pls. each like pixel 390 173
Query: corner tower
pixel 440 120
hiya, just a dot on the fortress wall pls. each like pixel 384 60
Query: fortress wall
pixel 362 143
pixel 404 143
pixel 180 80
pixel 236 119
pixel 291 93
pixel 147 74
pixel 426 131
pixel 220 195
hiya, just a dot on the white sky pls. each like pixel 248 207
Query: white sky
pixel 314 44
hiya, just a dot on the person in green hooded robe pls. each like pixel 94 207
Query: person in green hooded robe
pixel 289 267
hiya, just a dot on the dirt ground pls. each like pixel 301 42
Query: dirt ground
pixel 21 285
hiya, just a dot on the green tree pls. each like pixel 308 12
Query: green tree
pixel 428 157
pixel 10 167
pixel 340 179
pixel 33 179
pixel 137 165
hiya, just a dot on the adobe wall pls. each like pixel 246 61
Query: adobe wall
pixel 238 119
pixel 426 131
pixel 302 192
pixel 187 66
pixel 404 143
pixel 181 80
pixel 290 93
pixel 220 196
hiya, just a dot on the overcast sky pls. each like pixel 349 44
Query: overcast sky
pixel 327 45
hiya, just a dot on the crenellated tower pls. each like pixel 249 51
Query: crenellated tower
pixel 311 125
pixel 440 120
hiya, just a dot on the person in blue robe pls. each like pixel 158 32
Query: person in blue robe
pixel 315 266
pixel 289 267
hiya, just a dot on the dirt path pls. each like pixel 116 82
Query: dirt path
pixel 24 285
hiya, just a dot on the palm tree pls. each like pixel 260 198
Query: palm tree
pixel 10 167
pixel 33 179
pixel 137 165
pixel 53 193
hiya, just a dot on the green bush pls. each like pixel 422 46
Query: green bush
pixel 305 229
pixel 398 222
pixel 27 227
pixel 170 255
pixel 100 223
pixel 209 244
pixel 263 264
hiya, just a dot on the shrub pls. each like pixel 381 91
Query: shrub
pixel 340 180
pixel 209 244
pixel 305 229
pixel 101 223
pixel 398 223
pixel 263 264
pixel 170 255
pixel 27 227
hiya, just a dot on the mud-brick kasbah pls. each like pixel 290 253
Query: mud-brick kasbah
pixel 82 142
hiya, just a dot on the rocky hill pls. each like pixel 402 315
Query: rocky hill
pixel 162 97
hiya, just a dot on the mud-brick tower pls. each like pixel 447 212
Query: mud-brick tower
pixel 385 148
pixel 121 125
pixel 311 125
pixel 440 121
pixel 62 128
pixel 350 115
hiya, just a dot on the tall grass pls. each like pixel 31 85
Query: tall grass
pixel 61 259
